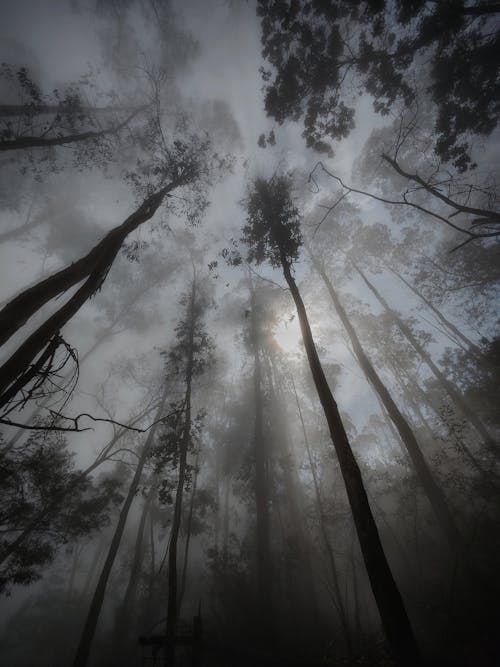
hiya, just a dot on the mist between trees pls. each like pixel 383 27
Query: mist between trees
pixel 250 357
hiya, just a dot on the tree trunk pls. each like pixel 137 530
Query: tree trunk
pixel 88 633
pixel 188 537
pixel 388 598
pixel 339 601
pixel 122 623
pixel 262 500
pixel 424 475
pixel 472 347
pixel 98 261
pixel 447 386
pixel 21 143
pixel 172 604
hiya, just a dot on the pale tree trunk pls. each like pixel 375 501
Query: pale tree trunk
pixel 424 475
pixel 338 597
pixel 262 497
pixel 122 622
pixel 459 336
pixel 447 386
pixel 83 650
pixel 188 536
pixel 172 603
pixel 388 598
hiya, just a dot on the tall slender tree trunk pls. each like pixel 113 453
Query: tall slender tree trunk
pixel 89 629
pixel 122 622
pixel 447 386
pixel 459 336
pixel 188 537
pixel 340 606
pixel 431 488
pixel 388 598
pixel 172 603
pixel 262 499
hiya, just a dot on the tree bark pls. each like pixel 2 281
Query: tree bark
pixel 83 650
pixel 388 598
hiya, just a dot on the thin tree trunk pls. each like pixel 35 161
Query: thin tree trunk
pixel 188 538
pixel 262 500
pixel 447 386
pixel 340 606
pixel 172 604
pixel 89 629
pixel 388 598
pixel 407 437
pixel 449 325
pixel 122 622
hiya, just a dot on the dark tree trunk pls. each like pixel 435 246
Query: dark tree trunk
pixel 96 263
pixel 388 598
pixel 447 386
pixel 88 632
pixel 21 143
pixel 424 475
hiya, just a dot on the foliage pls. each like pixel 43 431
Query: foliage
pixel 272 229
pixel 46 497
pixel 323 53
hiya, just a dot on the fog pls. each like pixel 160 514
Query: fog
pixel 250 356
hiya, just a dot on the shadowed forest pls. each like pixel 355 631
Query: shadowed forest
pixel 249 344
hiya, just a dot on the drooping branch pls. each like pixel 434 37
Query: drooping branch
pixel 396 202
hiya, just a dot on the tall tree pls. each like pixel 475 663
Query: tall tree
pixel 272 233
pixel 431 488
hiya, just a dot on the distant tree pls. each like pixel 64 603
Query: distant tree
pixel 89 628
pixel 272 233
pixel 40 120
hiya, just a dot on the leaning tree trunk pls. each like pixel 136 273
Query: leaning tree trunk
pixel 19 369
pixel 424 475
pixel 89 629
pixel 457 334
pixel 387 596
pixel 447 386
